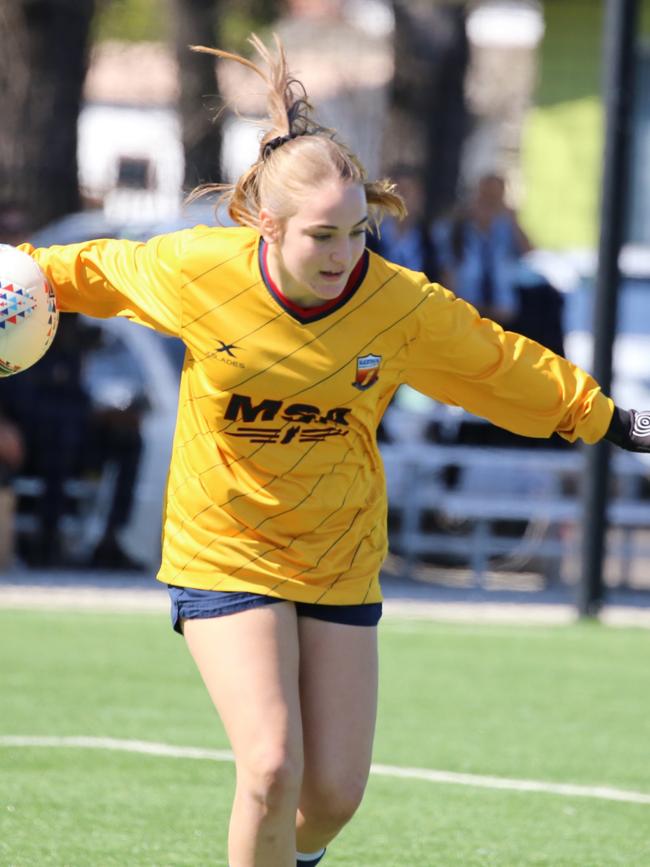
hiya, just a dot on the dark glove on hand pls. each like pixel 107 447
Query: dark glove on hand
pixel 630 429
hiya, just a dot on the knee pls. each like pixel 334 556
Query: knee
pixel 330 805
pixel 272 779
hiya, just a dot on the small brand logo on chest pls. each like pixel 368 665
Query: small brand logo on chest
pixel 226 354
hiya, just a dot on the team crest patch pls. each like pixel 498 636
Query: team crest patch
pixel 367 371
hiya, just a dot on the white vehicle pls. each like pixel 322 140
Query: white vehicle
pixel 134 364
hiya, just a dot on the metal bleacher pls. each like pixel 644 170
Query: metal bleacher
pixel 84 518
pixel 517 504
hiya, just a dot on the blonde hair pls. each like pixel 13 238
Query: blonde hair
pixel 296 153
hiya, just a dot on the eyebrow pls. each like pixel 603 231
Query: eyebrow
pixel 323 226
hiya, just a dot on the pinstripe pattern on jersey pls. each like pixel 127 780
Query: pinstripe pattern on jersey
pixel 243 337
pixel 324 553
pixel 340 575
pixel 277 587
pixel 246 493
pixel 302 517
pixel 216 307
pixel 249 492
pixel 324 520
pixel 317 337
pixel 227 464
pixel 358 351
pixel 264 520
pixel 273 548
pixel 239 338
pixel 336 322
pixel 203 274
pixel 214 434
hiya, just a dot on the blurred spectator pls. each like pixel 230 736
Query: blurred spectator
pixel 409 242
pixel 11 457
pixel 13 225
pixel 66 436
pixel 11 449
pixel 481 249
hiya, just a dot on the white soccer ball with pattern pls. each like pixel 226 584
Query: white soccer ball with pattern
pixel 28 312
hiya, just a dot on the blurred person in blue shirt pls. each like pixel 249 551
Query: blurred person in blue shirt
pixel 480 248
pixel 409 242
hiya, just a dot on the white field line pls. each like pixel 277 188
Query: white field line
pixel 569 790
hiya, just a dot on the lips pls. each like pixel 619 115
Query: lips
pixel 332 275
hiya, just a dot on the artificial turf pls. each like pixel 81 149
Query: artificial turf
pixel 566 704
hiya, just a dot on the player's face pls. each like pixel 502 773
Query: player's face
pixel 317 248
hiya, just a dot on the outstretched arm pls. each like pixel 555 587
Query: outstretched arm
pixel 461 359
pixel 117 277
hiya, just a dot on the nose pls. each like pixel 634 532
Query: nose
pixel 341 253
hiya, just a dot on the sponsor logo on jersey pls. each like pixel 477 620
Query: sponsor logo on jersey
pixel 367 372
pixel 304 422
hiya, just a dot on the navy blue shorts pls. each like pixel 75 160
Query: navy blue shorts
pixel 190 604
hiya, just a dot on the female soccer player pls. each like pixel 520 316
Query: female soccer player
pixel 275 513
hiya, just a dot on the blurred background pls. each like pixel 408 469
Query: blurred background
pixel 489 115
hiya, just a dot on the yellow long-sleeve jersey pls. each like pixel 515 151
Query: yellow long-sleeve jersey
pixel 276 484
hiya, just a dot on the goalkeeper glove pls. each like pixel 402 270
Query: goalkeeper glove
pixel 630 429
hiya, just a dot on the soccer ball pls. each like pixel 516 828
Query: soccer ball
pixel 28 312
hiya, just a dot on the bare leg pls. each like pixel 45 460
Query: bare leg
pixel 338 693
pixel 249 662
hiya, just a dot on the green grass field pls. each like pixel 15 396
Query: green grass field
pixel 561 705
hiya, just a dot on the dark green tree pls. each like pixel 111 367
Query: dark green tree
pixel 221 23
pixel 428 118
pixel 196 23
pixel 42 69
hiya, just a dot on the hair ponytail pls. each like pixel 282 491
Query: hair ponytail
pixel 296 152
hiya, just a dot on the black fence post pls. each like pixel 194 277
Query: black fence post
pixel 619 57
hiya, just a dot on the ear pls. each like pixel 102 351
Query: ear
pixel 269 226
